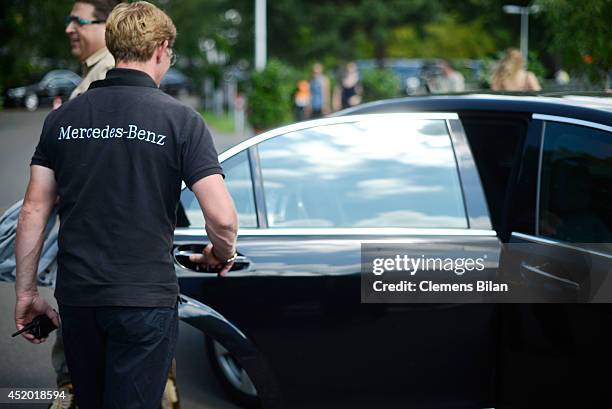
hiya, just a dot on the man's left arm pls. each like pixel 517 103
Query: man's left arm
pixel 37 206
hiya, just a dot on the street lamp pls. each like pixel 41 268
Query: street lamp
pixel 260 35
pixel 524 12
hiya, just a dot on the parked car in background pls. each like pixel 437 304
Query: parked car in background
pixel 419 76
pixel 286 328
pixel 56 83
pixel 175 83
pixel 408 71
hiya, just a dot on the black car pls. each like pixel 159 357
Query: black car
pixel 53 84
pixel 287 328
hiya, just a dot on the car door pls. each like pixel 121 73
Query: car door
pixel 559 252
pixel 308 197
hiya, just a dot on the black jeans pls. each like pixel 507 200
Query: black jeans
pixel 119 357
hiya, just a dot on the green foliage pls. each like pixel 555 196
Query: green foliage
pixel 223 123
pixel 315 29
pixel 405 42
pixel 33 39
pixel 450 38
pixel 447 38
pixel 535 65
pixel 581 32
pixel 330 31
pixel 270 97
pixel 379 84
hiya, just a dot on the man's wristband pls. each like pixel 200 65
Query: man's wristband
pixel 229 260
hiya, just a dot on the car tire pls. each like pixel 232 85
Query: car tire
pixel 232 377
pixel 31 102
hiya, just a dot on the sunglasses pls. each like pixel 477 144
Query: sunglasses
pixel 172 56
pixel 81 21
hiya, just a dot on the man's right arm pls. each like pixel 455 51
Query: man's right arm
pixel 219 214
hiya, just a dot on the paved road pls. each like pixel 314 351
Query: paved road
pixel 26 365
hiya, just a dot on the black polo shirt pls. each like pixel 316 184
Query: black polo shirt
pixel 119 152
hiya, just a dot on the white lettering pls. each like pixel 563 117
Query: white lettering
pixel 64 134
pixel 132 132
pixel 107 132
pixel 377 266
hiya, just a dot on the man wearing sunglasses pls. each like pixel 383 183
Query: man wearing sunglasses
pixel 85 28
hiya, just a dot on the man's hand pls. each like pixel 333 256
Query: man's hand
pixel 208 257
pixel 27 308
pixel 220 215
pixel 37 205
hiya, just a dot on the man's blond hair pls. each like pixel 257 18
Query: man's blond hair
pixel 134 30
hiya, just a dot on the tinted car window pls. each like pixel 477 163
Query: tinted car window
pixel 239 184
pixel 374 173
pixel 576 184
pixel 493 141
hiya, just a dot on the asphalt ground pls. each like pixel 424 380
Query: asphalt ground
pixel 27 365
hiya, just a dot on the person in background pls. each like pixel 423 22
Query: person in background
pixel 85 28
pixel 509 74
pixel 452 80
pixel 348 93
pixel 319 92
pixel 301 100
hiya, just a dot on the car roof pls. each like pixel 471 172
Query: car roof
pixel 595 109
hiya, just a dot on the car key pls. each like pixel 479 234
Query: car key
pixel 41 326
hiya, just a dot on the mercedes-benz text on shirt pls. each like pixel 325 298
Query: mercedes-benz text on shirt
pixel 108 132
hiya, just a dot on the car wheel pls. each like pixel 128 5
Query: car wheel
pixel 233 378
pixel 31 102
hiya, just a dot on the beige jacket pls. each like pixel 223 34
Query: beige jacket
pixel 94 69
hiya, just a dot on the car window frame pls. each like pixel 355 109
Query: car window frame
pixel 535 235
pixel 569 121
pixel 254 183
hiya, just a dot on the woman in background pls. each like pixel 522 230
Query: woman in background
pixel 348 93
pixel 509 75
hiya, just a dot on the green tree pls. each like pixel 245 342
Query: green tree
pixel 379 84
pixel 33 39
pixel 581 33
pixel 270 95
pixel 446 37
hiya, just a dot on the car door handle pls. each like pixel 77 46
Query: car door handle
pixel 182 253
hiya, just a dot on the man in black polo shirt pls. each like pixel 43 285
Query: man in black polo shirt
pixel 116 156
